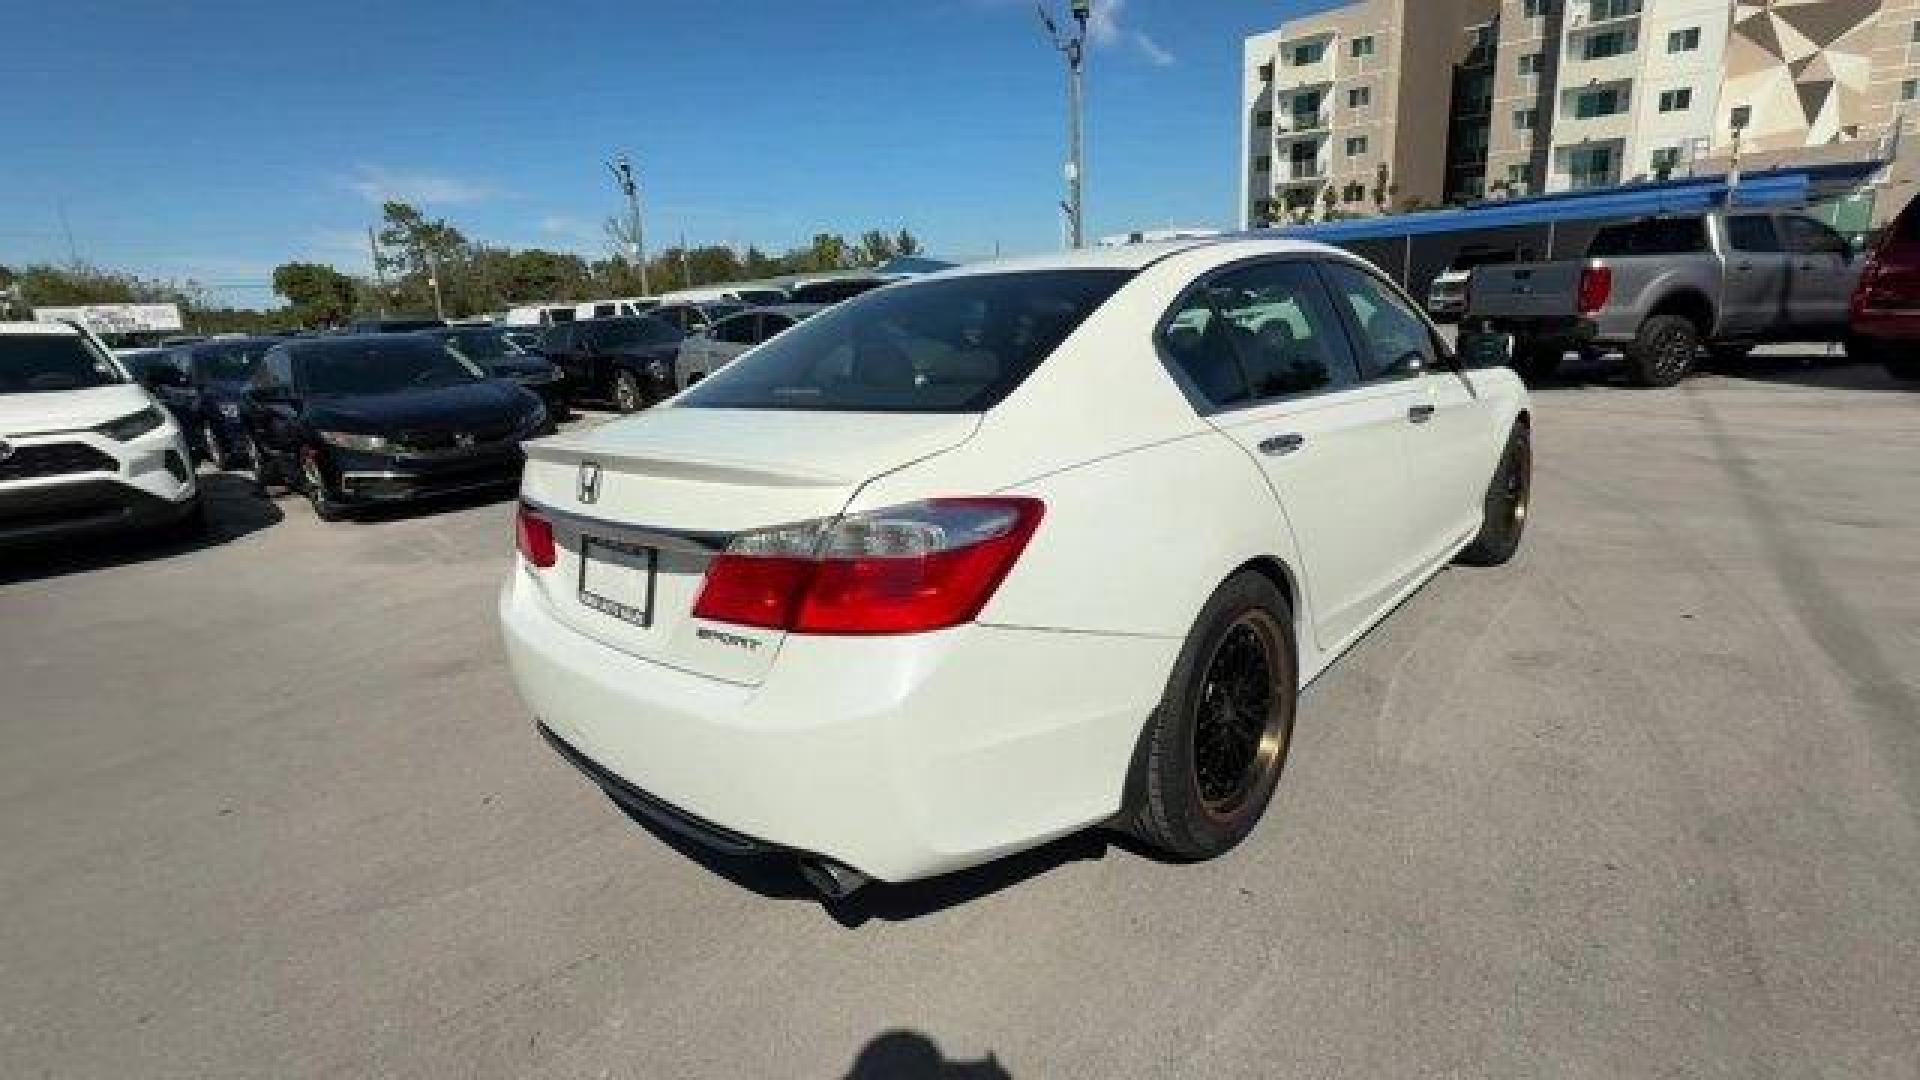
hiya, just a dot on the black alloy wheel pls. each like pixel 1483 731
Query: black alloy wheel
pixel 1509 500
pixel 315 481
pixel 1663 352
pixel 1212 752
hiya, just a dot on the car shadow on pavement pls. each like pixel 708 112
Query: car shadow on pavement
pixel 778 877
pixel 1824 372
pixel 233 510
pixel 909 1055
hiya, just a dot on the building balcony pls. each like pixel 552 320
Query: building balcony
pixel 1619 68
pixel 1295 124
pixel 1296 173
pixel 1600 14
pixel 1571 129
pixel 1289 76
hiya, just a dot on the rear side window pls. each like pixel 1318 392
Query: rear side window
pixel 950 346
pixel 1752 232
pixel 1265 331
pixel 1654 236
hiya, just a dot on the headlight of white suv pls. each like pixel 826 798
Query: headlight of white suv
pixel 366 444
pixel 133 425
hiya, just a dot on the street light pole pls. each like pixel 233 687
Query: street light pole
pixel 622 168
pixel 1074 48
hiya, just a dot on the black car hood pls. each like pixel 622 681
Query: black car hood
pixel 445 406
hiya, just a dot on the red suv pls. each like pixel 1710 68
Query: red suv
pixel 1885 316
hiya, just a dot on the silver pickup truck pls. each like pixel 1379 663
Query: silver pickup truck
pixel 1661 289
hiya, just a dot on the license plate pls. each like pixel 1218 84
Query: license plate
pixel 617 579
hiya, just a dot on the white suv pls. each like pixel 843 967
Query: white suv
pixel 83 447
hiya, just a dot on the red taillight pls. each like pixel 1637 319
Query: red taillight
pixel 535 536
pixel 1596 287
pixel 906 570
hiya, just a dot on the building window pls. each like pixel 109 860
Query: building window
pixel 1601 46
pixel 1910 89
pixel 1353 193
pixel 1741 116
pixel 1533 9
pixel 1526 119
pixel 1915 36
pixel 1591 167
pixel 1665 160
pixel 1598 103
pixel 1676 100
pixel 1517 178
pixel 1310 53
pixel 1359 97
pixel 1531 63
pixel 1687 40
pixel 1263 118
pixel 1266 71
pixel 1361 47
pixel 1263 163
pixel 1356 145
pixel 1601 10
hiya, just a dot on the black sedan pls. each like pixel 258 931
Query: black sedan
pixel 627 361
pixel 218 371
pixel 357 421
pixel 492 351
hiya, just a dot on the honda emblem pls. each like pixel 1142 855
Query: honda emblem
pixel 589 481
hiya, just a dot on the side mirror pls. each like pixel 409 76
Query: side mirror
pixel 1484 348
pixel 164 376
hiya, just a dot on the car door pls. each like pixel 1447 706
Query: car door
pixel 1263 351
pixel 272 412
pixel 1447 422
pixel 1823 275
pixel 730 337
pixel 563 350
pixel 1754 297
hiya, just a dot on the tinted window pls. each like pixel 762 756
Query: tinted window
pixel 1810 237
pixel 677 316
pixel 382 366
pixel 1286 336
pixel 739 330
pixel 760 296
pixel 483 346
pixel 274 369
pixel 227 361
pixel 1655 236
pixel 832 292
pixel 634 334
pixel 560 338
pixel 141 361
pixel 956 345
pixel 1752 233
pixel 1393 339
pixel 32 363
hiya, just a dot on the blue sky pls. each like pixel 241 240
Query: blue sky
pixel 217 139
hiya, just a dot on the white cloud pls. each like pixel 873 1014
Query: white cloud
pixel 378 184
pixel 1156 55
pixel 1108 28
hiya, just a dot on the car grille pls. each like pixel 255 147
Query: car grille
pixel 54 459
pixel 454 440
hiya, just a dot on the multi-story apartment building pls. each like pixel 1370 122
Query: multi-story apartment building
pixel 1327 100
pixel 1512 97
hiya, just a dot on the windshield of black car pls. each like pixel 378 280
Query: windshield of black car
pixel 955 345
pixel 633 334
pixel 485 346
pixel 48 363
pixel 228 361
pixel 375 366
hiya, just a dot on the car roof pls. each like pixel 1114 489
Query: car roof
pixel 796 310
pixel 1119 257
pixel 46 329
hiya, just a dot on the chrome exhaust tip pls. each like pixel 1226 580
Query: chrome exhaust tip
pixel 834 880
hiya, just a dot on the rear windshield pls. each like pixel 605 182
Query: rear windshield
pixel 957 345
pixel 1658 236
pixel 382 365
pixel 45 363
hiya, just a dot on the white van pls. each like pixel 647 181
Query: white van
pixel 611 309
pixel 540 314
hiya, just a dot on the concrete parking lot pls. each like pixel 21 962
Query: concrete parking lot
pixel 1641 804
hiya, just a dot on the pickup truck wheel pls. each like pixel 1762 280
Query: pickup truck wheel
pixel 1509 497
pixel 627 395
pixel 1213 749
pixel 1662 354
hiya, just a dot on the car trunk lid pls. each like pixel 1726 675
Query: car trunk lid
pixel 641 507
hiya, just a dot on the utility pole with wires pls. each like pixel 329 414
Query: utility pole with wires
pixel 622 167
pixel 1074 47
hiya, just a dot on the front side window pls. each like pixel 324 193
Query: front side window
pixel 738 330
pixel 1394 341
pixel 956 345
pixel 48 363
pixel 1810 237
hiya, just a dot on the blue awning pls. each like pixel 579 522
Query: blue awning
pixel 1778 187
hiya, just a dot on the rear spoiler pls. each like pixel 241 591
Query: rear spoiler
pixel 560 450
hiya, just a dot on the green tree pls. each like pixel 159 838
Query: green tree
pixel 316 294
pixel 906 245
pixel 412 248
pixel 876 248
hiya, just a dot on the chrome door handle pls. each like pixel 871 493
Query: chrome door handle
pixel 1282 445
pixel 1420 414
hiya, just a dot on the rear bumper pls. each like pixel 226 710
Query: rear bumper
pixel 901 757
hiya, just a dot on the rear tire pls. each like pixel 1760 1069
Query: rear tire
pixel 1509 500
pixel 1663 352
pixel 1214 747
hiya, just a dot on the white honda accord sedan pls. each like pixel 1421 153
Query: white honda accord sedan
pixel 986 558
